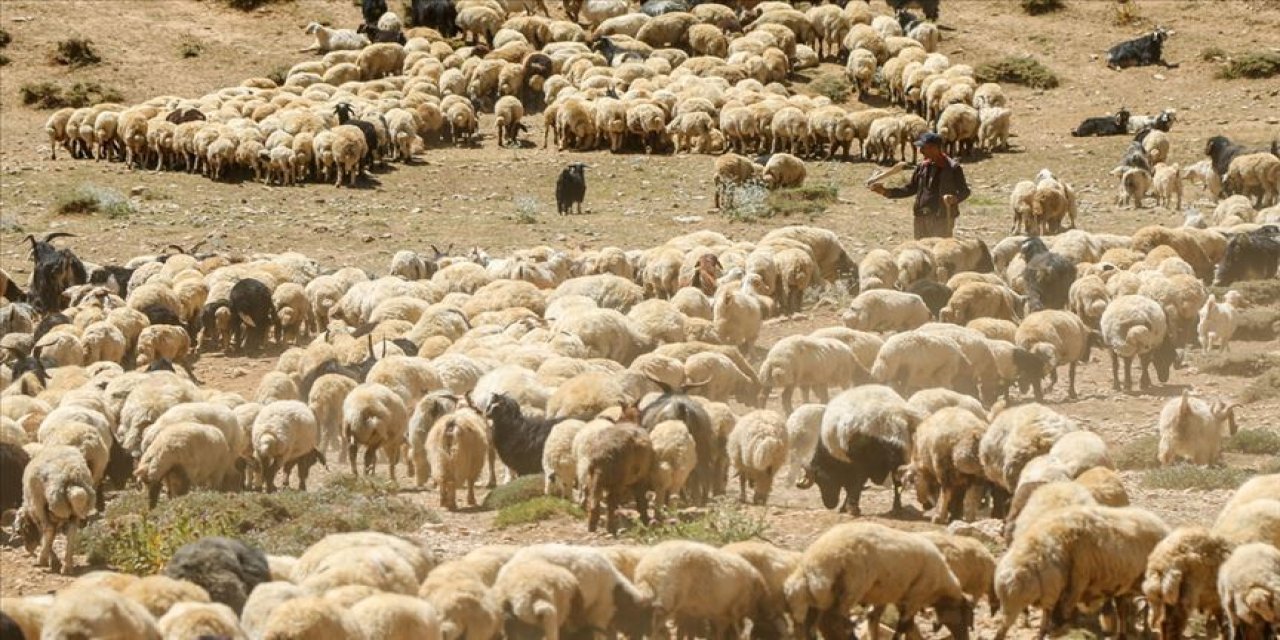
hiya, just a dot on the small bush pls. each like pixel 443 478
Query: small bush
pixel 536 510
pixel 1040 7
pixel 278 75
pixel 1023 70
pixel 522 489
pixel 746 202
pixel 1254 66
pixel 190 49
pixel 1263 387
pixel 832 85
pixel 1256 292
pixel 1256 442
pixel 48 95
pixel 89 199
pixel 526 210
pixel 1137 454
pixel 1125 13
pixel 806 200
pixel 281 523
pixel 1212 54
pixel 75 53
pixel 5 38
pixel 1186 476
pixel 247 5
pixel 1230 364
pixel 725 521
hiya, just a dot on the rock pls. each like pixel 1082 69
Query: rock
pixel 138 191
pixel 990 531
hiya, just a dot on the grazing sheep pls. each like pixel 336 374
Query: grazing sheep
pixel 285 435
pixel 228 570
pixel 695 584
pixel 188 454
pixel 612 465
pixel 1181 578
pixel 947 463
pixel 1248 587
pixel 758 449
pixel 374 416
pixel 1135 326
pixel 1054 338
pixel 1192 428
pixel 57 495
pixel 813 364
pixel 675 454
pixel 536 597
pixel 97 613
pixel 886 310
pixel 456 450
pixel 200 619
pixel 868 426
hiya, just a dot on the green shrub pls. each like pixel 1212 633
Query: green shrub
pixel 835 86
pixel 1258 442
pixel 810 199
pixel 1040 7
pixel 1257 65
pixel 1186 476
pixel 1137 454
pixel 724 521
pixel 522 489
pixel 75 53
pixel 1212 54
pixel 89 199
pixel 49 95
pixel 536 510
pixel 1023 70
pixel 745 202
pixel 132 539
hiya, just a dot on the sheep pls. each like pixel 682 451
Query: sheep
pixel 285 434
pixel 376 417
pixel 187 454
pixel 973 300
pixel 885 310
pixel 917 360
pixel 1015 437
pixel 610 602
pixel 200 619
pixel 1181 577
pixel 1074 553
pixel 1135 326
pixel 1192 428
pixel 732 171
pixel 509 112
pixel 456 446
pixel 1248 585
pixel 309 617
pixel 868 564
pixel 536 595
pixel 1256 174
pixel 784 170
pixel 395 616
pixel 1218 321
pixel 946 461
pixel 467 607
pixel 97 613
pixel 228 570
pixel 676 576
pixel 334 39
pixel 615 463
pixel 758 449
pixel 738 313
pixel 57 495
pixel 159 593
pixel 674 456
pixel 869 426
pixel 810 363
pixel 1135 182
pixel 1055 338
pixel 162 342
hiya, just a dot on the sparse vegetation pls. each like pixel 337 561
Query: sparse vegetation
pixel 5 38
pixel 89 199
pixel 1232 364
pixel 834 86
pixel 1266 385
pixel 522 489
pixel 132 539
pixel 1257 442
pixel 1023 70
pixel 746 202
pixel 49 95
pixel 724 521
pixel 1212 54
pixel 526 210
pixel 1040 7
pixel 278 75
pixel 1187 476
pixel 536 510
pixel 1137 454
pixel 1125 13
pixel 1255 65
pixel 75 53
pixel 190 49
pixel 810 200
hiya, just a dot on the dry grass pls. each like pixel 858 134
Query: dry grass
pixel 1185 476
pixel 724 521
pixel 75 53
pixel 1137 454
pixel 808 200
pixel 89 199
pixel 520 490
pixel 832 85
pixel 1125 13
pixel 1041 7
pixel 1257 442
pixel 1255 65
pixel 1266 385
pixel 1023 70
pixel 49 95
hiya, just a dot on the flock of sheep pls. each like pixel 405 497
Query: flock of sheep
pixel 707 79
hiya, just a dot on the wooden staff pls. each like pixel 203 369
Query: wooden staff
pixel 883 174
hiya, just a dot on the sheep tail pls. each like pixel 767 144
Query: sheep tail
pixel 1171 586
pixel 1184 413
pixel 766 450
pixel 80 500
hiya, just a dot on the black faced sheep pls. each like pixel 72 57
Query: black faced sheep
pixel 375 35
pixel 250 303
pixel 344 111
pixel 571 188
pixel 1115 125
pixel 1048 276
pixel 1221 151
pixel 519 439
pixel 833 477
pixel 228 569
pixel 1143 51
pixel 674 404
pixel 1250 256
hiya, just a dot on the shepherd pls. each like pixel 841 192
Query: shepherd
pixel 938 185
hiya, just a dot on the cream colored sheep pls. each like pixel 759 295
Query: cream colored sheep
pixel 1193 428
pixel 456 449
pixel 674 456
pixel 758 448
pixel 947 463
pixel 376 417
pixel 696 584
pixel 1248 587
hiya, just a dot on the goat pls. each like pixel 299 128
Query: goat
pixel 1250 256
pixel 929 7
pixel 55 270
pixel 1115 125
pixel 344 110
pixel 375 35
pixel 571 188
pixel 372 10
pixel 436 14
pixel 1139 52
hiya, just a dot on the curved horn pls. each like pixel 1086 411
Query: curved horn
pixel 53 235
pixel 197 245
pixel 177 248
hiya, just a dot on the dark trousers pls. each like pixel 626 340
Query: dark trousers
pixel 935 226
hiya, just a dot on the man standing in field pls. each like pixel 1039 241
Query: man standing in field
pixel 938 185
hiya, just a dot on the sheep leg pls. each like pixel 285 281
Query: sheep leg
pixel 642 503
pixel 471 493
pixel 493 469
pixel 46 557
pixel 786 394
pixel 269 475
pixel 1145 379
pixel 370 459
pixel 1071 381
pixel 612 502
pixel 1128 374
pixel 946 495
pixel 1115 372
pixel 742 487
pixel 352 450
pixel 69 553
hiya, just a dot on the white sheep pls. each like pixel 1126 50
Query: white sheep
pixel 696 584
pixel 609 601
pixel 456 449
pixel 334 39
pixel 813 364
pixel 886 310
pixel 1218 321
pixel 947 463
pixel 285 435
pixel 97 613
pixel 804 427
pixel 376 417
pixel 738 314
pixel 395 616
pixel 757 448
pixel 184 455
pixel 1248 587
pixel 1192 428
pixel 537 595
pixel 1136 326
pixel 57 495
pixel 674 455
pixel 466 605
pixel 1181 578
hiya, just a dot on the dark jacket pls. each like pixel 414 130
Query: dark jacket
pixel 928 184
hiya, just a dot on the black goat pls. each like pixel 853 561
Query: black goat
pixel 436 14
pixel 929 7
pixel 675 404
pixel 378 35
pixel 1140 52
pixel 518 439
pixel 872 459
pixel 55 270
pixel 571 188
pixel 1135 155
pixel 935 294
pixel 1250 256
pixel 228 569
pixel 344 110
pixel 537 68
pixel 10 290
pixel 250 304
pixel 610 49
pixel 47 324
pixel 1048 276
pixel 1221 151
pixel 1115 125
pixel 907 20
pixel 372 10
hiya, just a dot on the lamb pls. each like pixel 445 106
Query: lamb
pixel 228 570
pixel 1058 562
pixel 758 448
pixel 886 310
pixel 947 463
pixel 1136 326
pixel 334 39
pixel 675 454
pixel 696 584
pixel 1218 321
pixel 536 596
pixel 374 416
pixel 456 448
pixel 1248 586
pixel 187 454
pixel 1192 428
pixel 868 564
pixel 285 434
pixel 1167 185
pixel 1181 577
pixel 868 426
pixel 615 463
pixel 97 613
pixel 57 495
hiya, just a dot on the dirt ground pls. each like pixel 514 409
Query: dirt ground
pixel 468 197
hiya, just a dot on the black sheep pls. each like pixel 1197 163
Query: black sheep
pixel 1250 256
pixel 440 15
pixel 112 277
pixel 372 10
pixel 344 110
pixel 873 459
pixel 1048 276
pixel 1143 51
pixel 1115 125
pixel 250 304
pixel 374 34
pixel 1221 151
pixel 675 404
pixel 518 439
pixel 571 188
pixel 907 20
pixel 179 116
pixel 54 270
pixel 935 294
pixel 930 7
pixel 536 66
pixel 228 569
pixel 13 460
